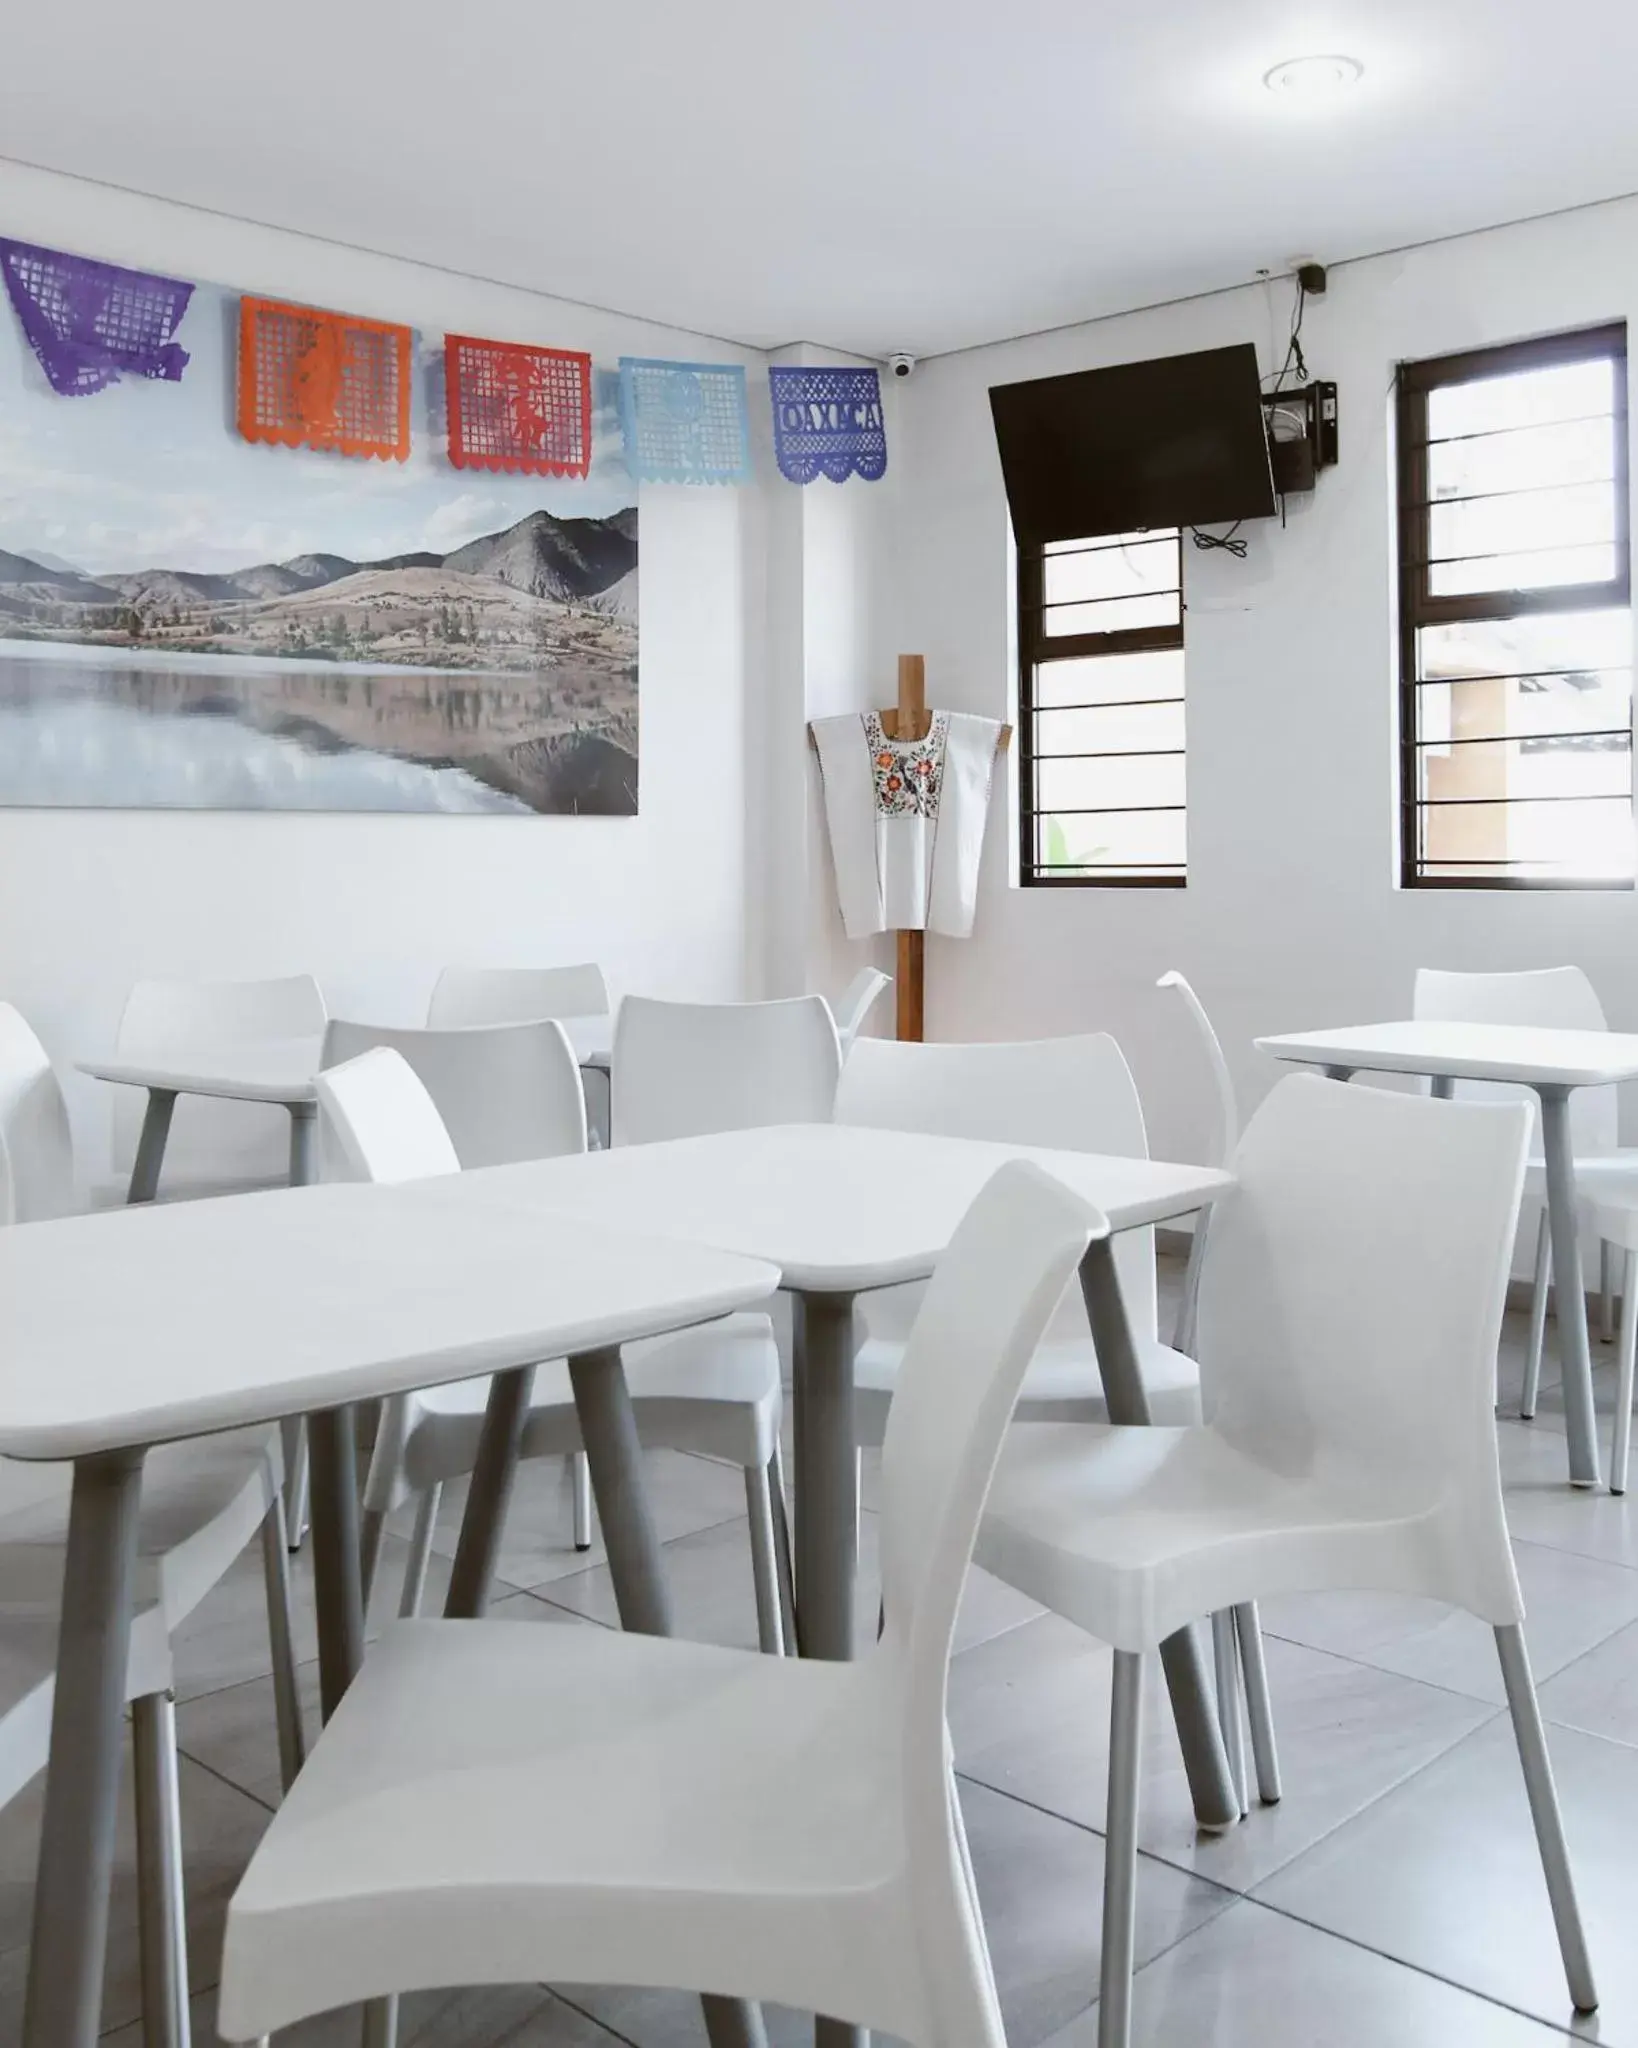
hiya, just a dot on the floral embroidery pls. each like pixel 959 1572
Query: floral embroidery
pixel 908 773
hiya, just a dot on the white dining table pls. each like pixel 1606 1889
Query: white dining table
pixel 841 1209
pixel 131 1328
pixel 1553 1064
pixel 280 1071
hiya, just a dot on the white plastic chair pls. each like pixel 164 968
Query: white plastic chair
pixel 487 1807
pixel 523 995
pixel 516 995
pixel 214 1147
pixel 714 1390
pixel 1560 998
pixel 202 1503
pixel 1350 1307
pixel 1078 1094
pixel 856 1002
pixel 684 1069
pixel 1224 1137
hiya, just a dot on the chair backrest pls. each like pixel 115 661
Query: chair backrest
pixel 1351 1302
pixel 517 995
pixel 36 1150
pixel 1226 1131
pixel 384 1124
pixel 1561 998
pixel 683 1069
pixel 856 1001
pixel 1076 1094
pixel 502 1091
pixel 228 1140
pixel 985 1310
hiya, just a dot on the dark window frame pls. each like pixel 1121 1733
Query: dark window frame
pixel 1035 647
pixel 1418 606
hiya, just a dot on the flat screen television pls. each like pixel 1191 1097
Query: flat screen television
pixel 1179 441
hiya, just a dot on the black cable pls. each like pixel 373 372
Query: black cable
pixel 1294 358
pixel 1226 541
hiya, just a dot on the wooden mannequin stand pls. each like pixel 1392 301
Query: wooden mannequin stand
pixel 910 720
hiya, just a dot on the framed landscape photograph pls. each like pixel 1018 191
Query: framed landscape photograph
pixel 189 620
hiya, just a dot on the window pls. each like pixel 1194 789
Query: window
pixel 1515 630
pixel 1100 643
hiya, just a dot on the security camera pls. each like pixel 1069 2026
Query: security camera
pixel 902 365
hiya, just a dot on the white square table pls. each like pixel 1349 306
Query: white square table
pixel 275 1070
pixel 841 1209
pixel 136 1327
pixel 1552 1063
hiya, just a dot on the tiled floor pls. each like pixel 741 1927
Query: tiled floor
pixel 1392 1900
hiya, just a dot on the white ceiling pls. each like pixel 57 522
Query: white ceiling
pixel 916 174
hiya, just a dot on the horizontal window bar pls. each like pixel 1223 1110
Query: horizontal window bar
pixel 1524 675
pixel 1481 607
pixel 1113 544
pixel 1582 483
pixel 1107 810
pixel 1564 547
pixel 1460 803
pixel 1110 704
pixel 1524 739
pixel 1576 419
pixel 1122 754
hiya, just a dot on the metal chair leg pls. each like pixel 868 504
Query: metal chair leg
pixel 1544 1811
pixel 1606 1292
pixel 1230 1700
pixel 372 1527
pixel 581 1474
pixel 782 1551
pixel 764 1561
pixel 281 1637
pixel 1538 1321
pixel 293 1439
pixel 415 1570
pixel 1120 1852
pixel 1259 1706
pixel 161 1914
pixel 1621 1428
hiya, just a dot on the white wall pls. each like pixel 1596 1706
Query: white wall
pixel 1292 916
pixel 373 905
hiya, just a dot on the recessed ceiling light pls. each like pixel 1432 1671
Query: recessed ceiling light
pixel 1313 78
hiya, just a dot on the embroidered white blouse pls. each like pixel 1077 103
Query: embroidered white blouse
pixel 906 820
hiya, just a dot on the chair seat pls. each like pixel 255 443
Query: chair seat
pixel 496 1803
pixel 714 1390
pixel 1062 1385
pixel 1132 1533
pixel 1594 1172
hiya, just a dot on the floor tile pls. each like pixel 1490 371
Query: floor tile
pixel 1029 1715
pixel 1543 1509
pixel 220 1828
pixel 1256 1979
pixel 521 2016
pixel 1599 1692
pixel 1040 1881
pixel 1571 1604
pixel 1443 1874
pixel 684 1494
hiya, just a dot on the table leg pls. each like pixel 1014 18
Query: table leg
pixel 827 1474
pixel 608 1430
pixel 1443 1087
pixel 489 1494
pixel 1216 1804
pixel 827 1508
pixel 63 2003
pixel 1339 1073
pixel 150 1152
pixel 303 1143
pixel 337 1587
pixel 1564 1221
